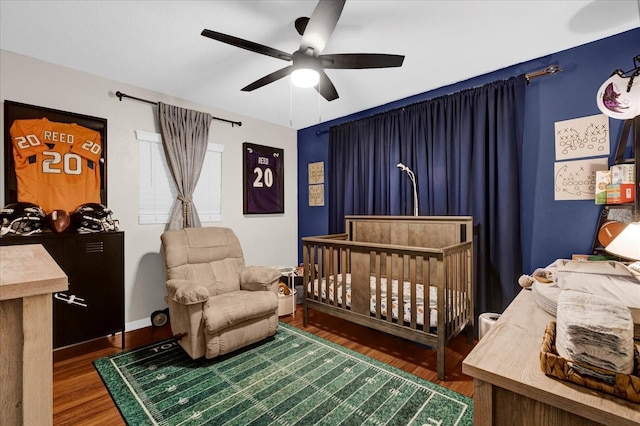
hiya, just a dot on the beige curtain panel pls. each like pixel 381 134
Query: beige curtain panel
pixel 185 134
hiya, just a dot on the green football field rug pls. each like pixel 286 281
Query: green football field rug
pixel 292 378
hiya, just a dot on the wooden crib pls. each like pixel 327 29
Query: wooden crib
pixel 429 255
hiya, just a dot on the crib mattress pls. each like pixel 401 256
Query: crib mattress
pixel 420 304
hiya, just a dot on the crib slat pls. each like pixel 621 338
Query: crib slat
pixel 310 268
pixel 437 272
pixel 305 282
pixel 394 270
pixel 400 278
pixel 384 275
pixel 377 259
pixel 388 285
pixel 455 319
pixel 324 274
pixel 399 275
pixel 344 268
pixel 360 278
pixel 455 262
pixel 435 276
pixel 412 291
pixel 458 290
pixel 333 273
pixel 455 289
pixel 450 297
pixel 426 289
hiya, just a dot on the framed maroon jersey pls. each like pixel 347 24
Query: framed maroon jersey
pixel 54 159
pixel 263 179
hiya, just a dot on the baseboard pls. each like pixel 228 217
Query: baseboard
pixel 134 325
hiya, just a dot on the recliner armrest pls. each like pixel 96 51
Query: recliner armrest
pixel 187 292
pixel 259 278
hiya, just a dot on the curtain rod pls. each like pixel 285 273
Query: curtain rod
pixel 121 95
pixel 550 70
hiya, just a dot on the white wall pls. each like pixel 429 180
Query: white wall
pixel 266 239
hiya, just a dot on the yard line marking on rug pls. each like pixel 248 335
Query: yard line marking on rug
pixel 124 379
pixel 384 404
pixel 400 407
pixel 421 408
pixel 356 409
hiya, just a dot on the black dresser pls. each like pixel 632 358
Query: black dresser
pixel 94 304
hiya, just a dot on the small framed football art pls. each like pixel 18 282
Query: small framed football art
pixel 263 179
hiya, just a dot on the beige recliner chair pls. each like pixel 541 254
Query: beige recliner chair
pixel 216 303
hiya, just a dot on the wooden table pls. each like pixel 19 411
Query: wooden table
pixel 28 276
pixel 510 388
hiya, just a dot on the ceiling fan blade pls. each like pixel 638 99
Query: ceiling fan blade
pixel 248 45
pixel 321 24
pixel 326 88
pixel 270 78
pixel 361 60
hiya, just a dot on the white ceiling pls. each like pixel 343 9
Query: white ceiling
pixel 157 45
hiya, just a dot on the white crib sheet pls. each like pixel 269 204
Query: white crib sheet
pixel 433 298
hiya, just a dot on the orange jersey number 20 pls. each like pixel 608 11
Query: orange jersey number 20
pixel 56 164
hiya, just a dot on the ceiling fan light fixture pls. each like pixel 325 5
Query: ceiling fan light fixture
pixel 305 77
pixel 308 63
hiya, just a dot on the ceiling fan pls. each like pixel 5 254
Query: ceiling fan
pixel 315 32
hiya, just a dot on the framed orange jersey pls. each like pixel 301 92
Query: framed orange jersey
pixel 54 159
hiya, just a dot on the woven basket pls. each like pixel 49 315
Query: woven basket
pixel 626 386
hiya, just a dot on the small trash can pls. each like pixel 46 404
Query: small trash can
pixel 486 321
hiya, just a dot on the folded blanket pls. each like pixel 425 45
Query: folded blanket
pixel 595 331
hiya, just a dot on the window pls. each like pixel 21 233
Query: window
pixel 157 191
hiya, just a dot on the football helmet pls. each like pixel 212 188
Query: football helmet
pixel 21 218
pixel 619 96
pixel 93 217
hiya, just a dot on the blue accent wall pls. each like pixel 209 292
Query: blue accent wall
pixel 550 229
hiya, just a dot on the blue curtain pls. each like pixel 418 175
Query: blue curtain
pixel 465 150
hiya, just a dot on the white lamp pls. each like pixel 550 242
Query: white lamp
pixel 305 77
pixel 415 191
pixel 627 243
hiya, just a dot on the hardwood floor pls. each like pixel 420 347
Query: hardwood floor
pixel 80 398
